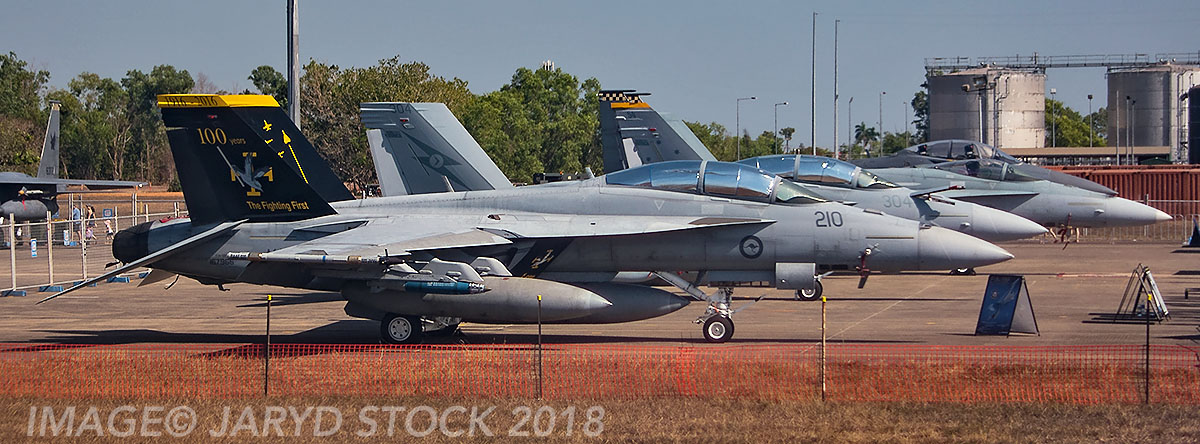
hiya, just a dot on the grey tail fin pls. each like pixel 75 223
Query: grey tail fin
pixel 632 133
pixel 48 167
pixel 240 157
pixel 422 148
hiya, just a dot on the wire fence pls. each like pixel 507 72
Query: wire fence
pixel 876 372
pixel 61 251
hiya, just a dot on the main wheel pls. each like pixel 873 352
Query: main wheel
pixel 811 295
pixel 718 329
pixel 400 329
pixel 962 272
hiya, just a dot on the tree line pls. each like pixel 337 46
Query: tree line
pixel 542 120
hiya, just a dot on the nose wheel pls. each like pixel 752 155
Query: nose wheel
pixel 718 329
pixel 811 294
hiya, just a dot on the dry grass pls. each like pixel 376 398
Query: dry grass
pixel 713 420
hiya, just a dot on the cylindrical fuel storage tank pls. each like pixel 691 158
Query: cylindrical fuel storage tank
pixel 1193 123
pixel 1004 108
pixel 1145 106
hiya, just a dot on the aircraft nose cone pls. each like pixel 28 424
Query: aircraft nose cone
pixel 1162 217
pixel 1122 212
pixel 995 225
pixel 942 249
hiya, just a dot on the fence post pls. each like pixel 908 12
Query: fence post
pixel 50 248
pixel 823 392
pixel 175 213
pixel 12 252
pixel 146 211
pixel 133 209
pixel 1145 228
pixel 83 248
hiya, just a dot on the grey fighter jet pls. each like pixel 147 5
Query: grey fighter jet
pixel 999 185
pixel 633 133
pixel 25 198
pixel 497 256
pixel 940 151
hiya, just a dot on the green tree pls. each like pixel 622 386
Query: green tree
pixel 1065 127
pixel 148 151
pixel 713 136
pixel 20 114
pixel 787 137
pixel 270 82
pixel 330 97
pixel 893 142
pixel 554 129
pixel 96 127
pixel 920 106
pixel 1099 123
pixel 864 134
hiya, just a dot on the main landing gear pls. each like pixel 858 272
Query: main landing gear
pixel 717 320
pixel 409 329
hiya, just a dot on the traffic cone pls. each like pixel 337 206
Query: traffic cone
pixel 1194 241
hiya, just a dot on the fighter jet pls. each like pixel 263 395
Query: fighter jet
pixel 1000 185
pixel 496 256
pixel 940 151
pixel 411 125
pixel 633 133
pixel 28 198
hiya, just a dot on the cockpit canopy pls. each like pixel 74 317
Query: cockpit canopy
pixel 990 169
pixel 723 179
pixel 818 170
pixel 958 149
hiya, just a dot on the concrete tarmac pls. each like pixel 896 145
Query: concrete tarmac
pixel 1074 291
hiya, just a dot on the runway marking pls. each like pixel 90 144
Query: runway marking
pixel 927 287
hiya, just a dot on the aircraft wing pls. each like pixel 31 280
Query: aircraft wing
pixel 91 184
pixel 402 235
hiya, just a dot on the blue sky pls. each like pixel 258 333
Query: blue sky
pixel 695 57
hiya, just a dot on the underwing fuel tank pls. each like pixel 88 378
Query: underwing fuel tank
pixel 514 300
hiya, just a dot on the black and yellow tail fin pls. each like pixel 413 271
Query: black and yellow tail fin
pixel 241 157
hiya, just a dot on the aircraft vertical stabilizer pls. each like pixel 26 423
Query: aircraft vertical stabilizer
pixel 632 133
pixel 48 167
pixel 422 148
pixel 240 157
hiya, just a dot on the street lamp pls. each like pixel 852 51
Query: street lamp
pixel 1053 119
pixel 776 134
pixel 738 125
pixel 1133 132
pixel 879 147
pixel 1091 122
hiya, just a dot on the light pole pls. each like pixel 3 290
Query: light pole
pixel 879 147
pixel 904 107
pixel 776 134
pixel 1091 122
pixel 850 126
pixel 813 112
pixel 1132 132
pixel 738 125
pixel 1128 138
pixel 1053 119
pixel 836 149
